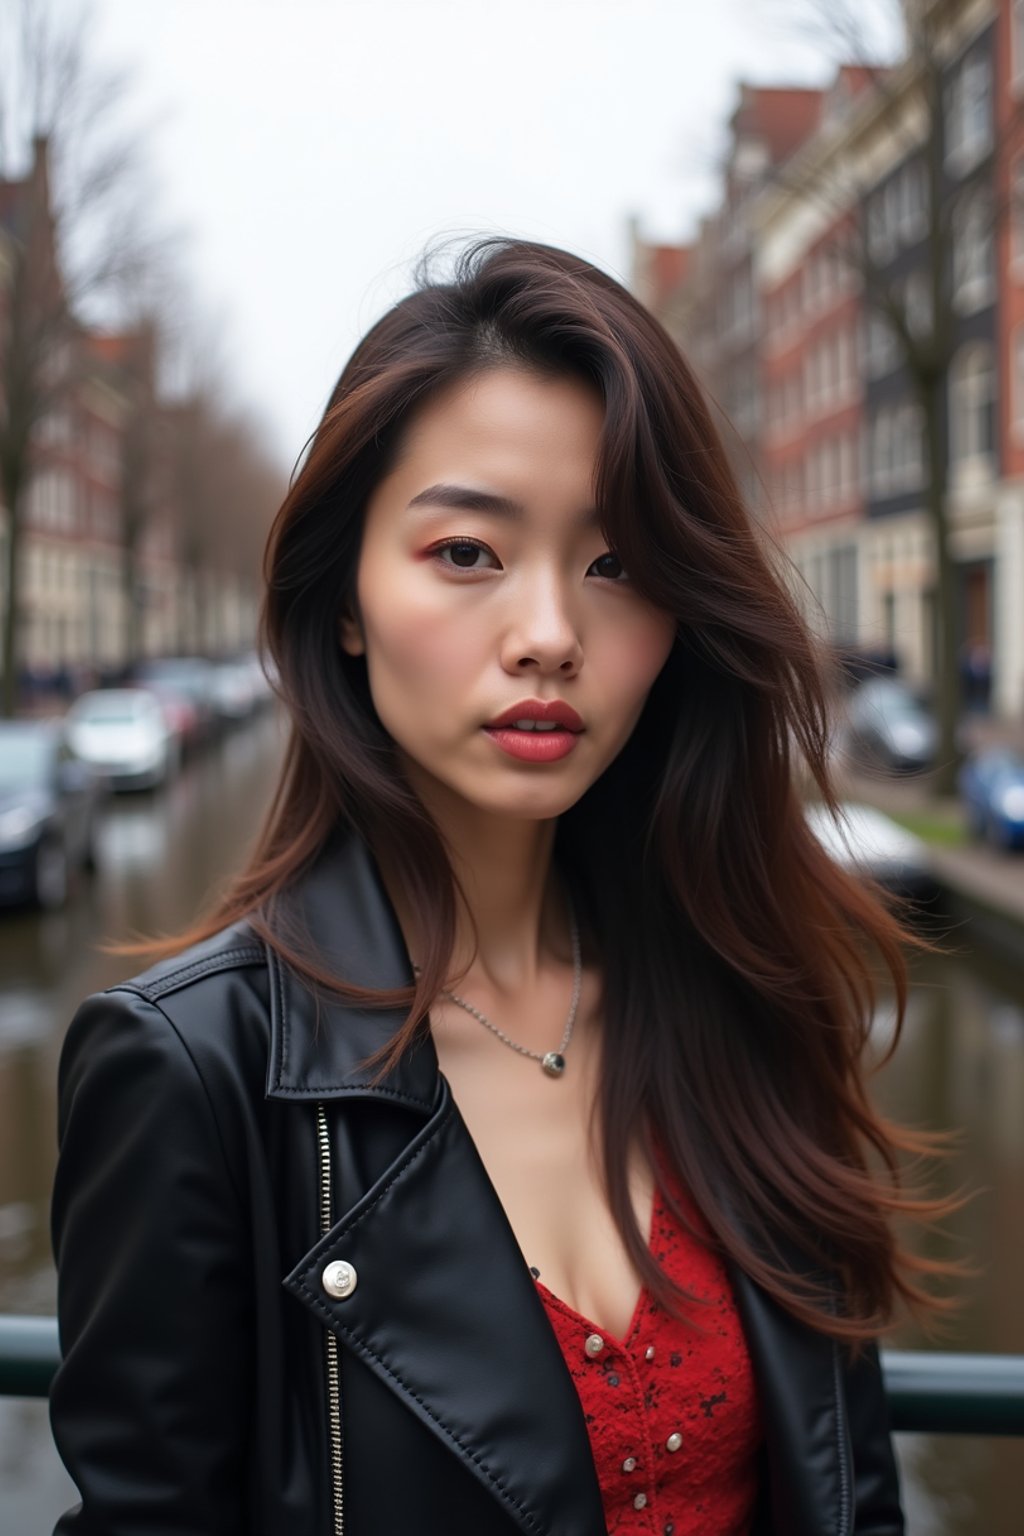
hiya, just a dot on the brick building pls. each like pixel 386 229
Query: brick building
pixel 103 575
pixel 832 420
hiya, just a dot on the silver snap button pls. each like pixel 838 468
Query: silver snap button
pixel 674 1441
pixel 339 1279
pixel 629 1465
pixel 649 1352
pixel 640 1502
pixel 594 1344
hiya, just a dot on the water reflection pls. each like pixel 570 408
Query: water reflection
pixel 960 1062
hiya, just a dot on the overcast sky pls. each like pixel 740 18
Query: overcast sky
pixel 307 150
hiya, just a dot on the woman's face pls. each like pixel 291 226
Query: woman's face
pixel 484 585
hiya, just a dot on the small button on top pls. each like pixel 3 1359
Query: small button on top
pixel 640 1502
pixel 674 1441
pixel 339 1279
pixel 629 1465
pixel 649 1352
pixel 594 1344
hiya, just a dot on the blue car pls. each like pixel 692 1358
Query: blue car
pixel 992 789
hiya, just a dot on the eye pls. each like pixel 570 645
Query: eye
pixel 613 569
pixel 463 554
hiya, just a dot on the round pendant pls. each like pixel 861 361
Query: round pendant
pixel 553 1064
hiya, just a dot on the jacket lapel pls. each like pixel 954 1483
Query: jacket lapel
pixel 444 1310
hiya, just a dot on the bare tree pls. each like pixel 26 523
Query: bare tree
pixel 910 100
pixel 225 489
pixel 71 242
pixel 139 470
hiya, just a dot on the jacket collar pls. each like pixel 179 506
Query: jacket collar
pixel 317 1047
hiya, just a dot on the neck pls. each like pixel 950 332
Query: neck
pixel 511 915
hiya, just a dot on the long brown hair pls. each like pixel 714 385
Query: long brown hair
pixel 738 959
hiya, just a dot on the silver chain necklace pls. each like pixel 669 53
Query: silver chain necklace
pixel 552 1062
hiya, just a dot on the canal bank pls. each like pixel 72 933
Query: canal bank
pixel 979 886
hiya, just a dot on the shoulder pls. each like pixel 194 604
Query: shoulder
pixel 234 948
pixel 197 1021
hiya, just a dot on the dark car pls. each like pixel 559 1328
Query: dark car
pixel 886 723
pixel 48 805
pixel 992 789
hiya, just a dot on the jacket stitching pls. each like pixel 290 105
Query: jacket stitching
pixel 402 1168
pixel 226 960
pixel 844 1485
pixel 315 1090
pixel 365 1349
pixel 400 1096
pixel 275 970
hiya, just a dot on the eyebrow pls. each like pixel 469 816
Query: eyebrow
pixel 463 498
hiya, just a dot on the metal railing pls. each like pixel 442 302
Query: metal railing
pixel 928 1393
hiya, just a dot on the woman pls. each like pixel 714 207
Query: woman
pixel 497 1157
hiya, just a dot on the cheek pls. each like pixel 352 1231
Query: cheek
pixel 413 645
pixel 635 659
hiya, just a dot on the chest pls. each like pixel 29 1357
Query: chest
pixel 539 1141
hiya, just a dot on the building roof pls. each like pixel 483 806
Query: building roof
pixel 667 267
pixel 779 117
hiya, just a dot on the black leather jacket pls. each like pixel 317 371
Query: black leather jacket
pixel 218 1151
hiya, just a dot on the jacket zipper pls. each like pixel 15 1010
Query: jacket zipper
pixel 330 1338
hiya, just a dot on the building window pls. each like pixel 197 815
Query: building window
pixel 896 450
pixel 917 304
pixel 973 255
pixel 1017 43
pixel 972 392
pixel 881 453
pixel 1017 394
pixel 969 113
pixel 881 348
pixel 913 213
pixel 908 447
pixel 881 232
pixel 843 593
pixel 1017 212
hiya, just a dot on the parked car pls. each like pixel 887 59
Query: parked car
pixel 866 841
pixel 886 723
pixel 123 734
pixel 191 676
pixel 260 678
pixel 180 712
pixel 992 789
pixel 48 813
pixel 233 690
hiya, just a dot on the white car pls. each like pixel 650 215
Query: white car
pixel 123 734
pixel 868 842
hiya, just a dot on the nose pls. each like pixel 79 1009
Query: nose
pixel 542 635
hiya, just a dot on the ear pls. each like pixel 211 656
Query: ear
pixel 350 634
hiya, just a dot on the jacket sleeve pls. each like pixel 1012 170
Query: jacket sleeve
pixel 877 1510
pixel 149 1406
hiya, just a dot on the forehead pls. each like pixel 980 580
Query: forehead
pixel 506 421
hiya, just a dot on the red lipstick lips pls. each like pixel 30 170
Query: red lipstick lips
pixel 536 709
pixel 560 729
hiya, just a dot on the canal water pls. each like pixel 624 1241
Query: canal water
pixel 959 1064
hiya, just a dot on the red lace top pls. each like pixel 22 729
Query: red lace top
pixel 671 1409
